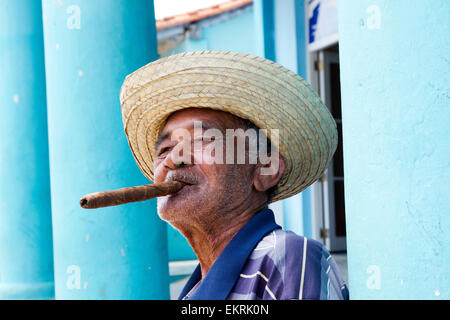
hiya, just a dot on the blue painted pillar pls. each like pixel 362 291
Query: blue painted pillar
pixel 301 37
pixel 264 24
pixel 116 252
pixel 26 258
pixel 395 79
pixel 301 34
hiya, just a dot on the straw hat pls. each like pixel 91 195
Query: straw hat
pixel 250 87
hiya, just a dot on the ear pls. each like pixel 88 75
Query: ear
pixel 268 175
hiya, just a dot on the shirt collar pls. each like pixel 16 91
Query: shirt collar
pixel 224 272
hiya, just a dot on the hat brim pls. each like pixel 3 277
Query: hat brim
pixel 250 87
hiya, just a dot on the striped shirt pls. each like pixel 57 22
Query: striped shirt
pixel 264 262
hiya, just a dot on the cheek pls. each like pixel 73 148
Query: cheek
pixel 208 157
pixel 202 155
pixel 208 172
pixel 240 178
pixel 223 177
pixel 211 153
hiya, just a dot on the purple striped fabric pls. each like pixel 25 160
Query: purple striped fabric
pixel 274 271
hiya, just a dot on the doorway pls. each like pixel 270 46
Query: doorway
pixel 327 194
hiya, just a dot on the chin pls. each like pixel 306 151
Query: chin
pixel 181 204
pixel 173 210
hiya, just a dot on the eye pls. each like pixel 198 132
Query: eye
pixel 206 138
pixel 164 150
pixel 200 139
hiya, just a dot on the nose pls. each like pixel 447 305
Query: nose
pixel 179 156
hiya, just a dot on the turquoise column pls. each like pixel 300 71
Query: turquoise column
pixel 116 252
pixel 301 37
pixel 395 75
pixel 26 257
pixel 302 67
pixel 264 24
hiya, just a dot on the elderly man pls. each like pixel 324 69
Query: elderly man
pixel 176 113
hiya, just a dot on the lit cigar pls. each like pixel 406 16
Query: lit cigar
pixel 131 194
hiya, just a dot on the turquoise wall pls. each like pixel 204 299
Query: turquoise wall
pixel 395 92
pixel 115 252
pixel 26 256
pixel 222 36
pixel 264 28
pixel 395 79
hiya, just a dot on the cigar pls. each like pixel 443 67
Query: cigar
pixel 132 194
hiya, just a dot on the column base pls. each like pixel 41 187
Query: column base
pixel 32 291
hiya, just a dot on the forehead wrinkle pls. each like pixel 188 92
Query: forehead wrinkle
pixel 205 125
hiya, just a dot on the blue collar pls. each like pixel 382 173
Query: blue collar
pixel 223 274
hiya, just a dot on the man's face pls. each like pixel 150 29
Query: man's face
pixel 212 186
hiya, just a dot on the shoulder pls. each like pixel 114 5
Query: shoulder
pixel 281 244
pixel 304 266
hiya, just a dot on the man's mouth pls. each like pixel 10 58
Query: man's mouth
pixel 186 189
pixel 187 180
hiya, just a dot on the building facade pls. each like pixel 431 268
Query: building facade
pixel 382 68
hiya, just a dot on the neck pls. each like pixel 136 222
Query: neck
pixel 209 233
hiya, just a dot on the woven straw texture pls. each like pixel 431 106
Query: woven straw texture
pixel 250 87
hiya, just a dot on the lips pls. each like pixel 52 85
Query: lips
pixel 189 185
pixel 184 178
